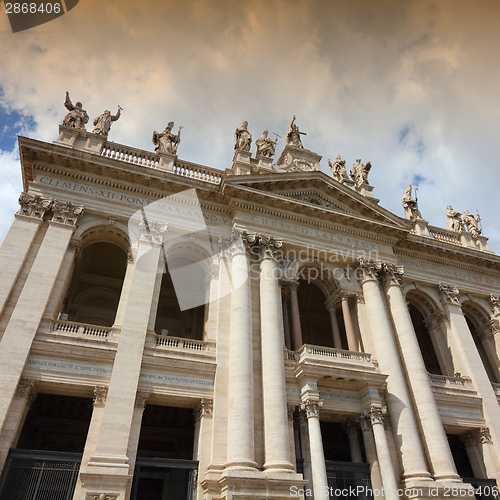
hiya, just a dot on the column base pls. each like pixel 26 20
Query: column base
pixel 243 465
pixel 108 465
pixel 285 467
pixel 94 485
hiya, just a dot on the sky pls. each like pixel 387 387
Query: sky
pixel 411 86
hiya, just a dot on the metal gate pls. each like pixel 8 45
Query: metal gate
pixel 40 475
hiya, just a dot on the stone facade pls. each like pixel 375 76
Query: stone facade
pixel 324 334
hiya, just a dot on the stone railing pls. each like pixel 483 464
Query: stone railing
pixel 335 353
pixel 181 343
pixel 445 235
pixel 445 380
pixel 130 155
pixel 198 172
pixel 290 355
pixel 80 328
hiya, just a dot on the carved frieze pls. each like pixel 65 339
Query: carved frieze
pixel 66 213
pixel 449 294
pixel 495 304
pixel 100 395
pixel 311 407
pixel 33 205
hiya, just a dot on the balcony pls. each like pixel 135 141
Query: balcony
pixel 496 388
pixel 459 386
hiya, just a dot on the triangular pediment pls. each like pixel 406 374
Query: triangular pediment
pixel 315 194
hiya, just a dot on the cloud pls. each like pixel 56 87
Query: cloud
pixel 409 86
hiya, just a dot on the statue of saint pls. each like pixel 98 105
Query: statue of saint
pixel 103 122
pixel 292 137
pixel 359 172
pixel 455 222
pixel 339 172
pixel 410 205
pixel 77 116
pixel 166 142
pixel 265 146
pixel 472 223
pixel 242 138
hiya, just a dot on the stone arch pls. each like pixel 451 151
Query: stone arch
pixel 101 230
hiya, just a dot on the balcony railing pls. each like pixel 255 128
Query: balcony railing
pixel 80 328
pixel 181 343
pixel 445 235
pixel 445 380
pixel 330 352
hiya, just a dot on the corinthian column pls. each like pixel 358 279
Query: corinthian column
pixel 320 482
pixel 276 435
pixel 337 342
pixel 240 412
pixel 404 424
pixel 296 330
pixel 352 342
pixel 33 300
pixel 443 466
pixel 471 360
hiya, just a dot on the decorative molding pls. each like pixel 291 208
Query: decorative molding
pixel 102 496
pixel 66 213
pixel 33 205
pixel 204 408
pixel 74 246
pixel 393 274
pixel 311 407
pixel 360 299
pixel 375 414
pixel 141 399
pixel 449 294
pixel 26 389
pixel 484 435
pixel 370 269
pixel 435 319
pixel 100 395
pixel 476 437
pixel 495 303
pixel 152 231
pixel 495 326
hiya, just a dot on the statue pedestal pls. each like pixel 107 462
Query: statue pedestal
pixel 167 161
pixel 77 138
pixel 367 191
pixel 349 184
pixel 420 228
pixel 294 159
pixel 242 164
pixel 467 240
pixel 482 243
pixel 265 163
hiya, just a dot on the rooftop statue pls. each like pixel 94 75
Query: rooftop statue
pixel 265 146
pixel 103 122
pixel 77 116
pixel 339 172
pixel 359 172
pixel 166 142
pixel 242 138
pixel 293 135
pixel 472 223
pixel 410 205
pixel 455 222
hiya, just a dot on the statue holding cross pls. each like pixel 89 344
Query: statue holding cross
pixel 293 135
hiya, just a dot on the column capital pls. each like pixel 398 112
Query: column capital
pixel 449 294
pixel 393 274
pixel 269 247
pixel 33 205
pixel 141 399
pixel 26 388
pixel 66 213
pixel 375 414
pixel 152 231
pixel 495 326
pixel 331 308
pixel 360 298
pixel 370 269
pixel 351 426
pixel 203 409
pixel 100 395
pixel 435 319
pixel 311 407
pixel 495 303
pixel 484 435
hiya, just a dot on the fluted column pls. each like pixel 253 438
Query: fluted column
pixel 320 482
pixel 352 341
pixel 471 360
pixel 375 416
pixel 296 329
pixel 276 436
pixel 240 412
pixel 398 399
pixel 351 429
pixel 337 342
pixel 30 307
pixel 305 449
pixel 443 466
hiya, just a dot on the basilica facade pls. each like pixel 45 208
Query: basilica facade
pixel 173 331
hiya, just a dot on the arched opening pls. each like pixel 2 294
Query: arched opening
pixel 315 321
pixel 425 341
pixel 96 284
pixel 179 291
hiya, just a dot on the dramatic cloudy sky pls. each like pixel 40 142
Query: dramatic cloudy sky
pixel 411 86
